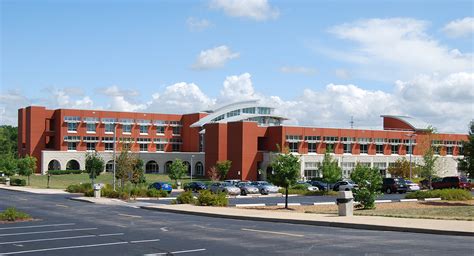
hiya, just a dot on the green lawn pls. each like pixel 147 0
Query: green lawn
pixel 446 213
pixel 62 181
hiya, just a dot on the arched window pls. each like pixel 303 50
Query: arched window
pixel 188 165
pixel 199 169
pixel 54 165
pixel 73 165
pixel 152 167
pixel 109 166
pixel 167 166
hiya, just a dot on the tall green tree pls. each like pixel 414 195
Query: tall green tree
pixel 94 165
pixel 369 181
pixel 8 165
pixel 428 170
pixel 223 168
pixel 8 140
pixel 332 173
pixel 124 167
pixel 401 168
pixel 466 164
pixel 177 170
pixel 27 166
pixel 138 175
pixel 286 171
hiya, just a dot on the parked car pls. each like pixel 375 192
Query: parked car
pixel 194 186
pixel 161 186
pixel 452 182
pixel 233 182
pixel 225 187
pixel 424 184
pixel 265 187
pixel 247 188
pixel 394 185
pixel 308 186
pixel 412 186
pixel 344 185
pixel 319 184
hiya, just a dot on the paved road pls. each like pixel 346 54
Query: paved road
pixel 68 227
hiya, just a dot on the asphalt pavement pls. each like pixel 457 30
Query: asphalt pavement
pixel 65 227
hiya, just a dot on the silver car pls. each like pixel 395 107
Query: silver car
pixel 224 187
pixel 265 187
pixel 247 188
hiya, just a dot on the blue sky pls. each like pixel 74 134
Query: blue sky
pixel 319 62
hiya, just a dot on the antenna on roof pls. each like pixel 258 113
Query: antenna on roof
pixel 352 122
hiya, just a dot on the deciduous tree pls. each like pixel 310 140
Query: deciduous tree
pixel 369 181
pixel 177 170
pixel 27 166
pixel 466 164
pixel 332 173
pixel 223 168
pixel 94 165
pixel 286 171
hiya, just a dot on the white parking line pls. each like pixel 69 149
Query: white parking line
pixel 409 200
pixel 383 201
pixel 293 204
pixel 325 203
pixel 63 248
pixel 114 234
pixel 272 232
pixel 176 252
pixel 144 241
pixel 128 215
pixel 248 205
pixel 59 238
pixel 40 226
pixel 49 231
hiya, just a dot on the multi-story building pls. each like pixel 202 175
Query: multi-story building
pixel 246 133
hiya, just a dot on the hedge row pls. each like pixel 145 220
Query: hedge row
pixel 61 172
pixel 444 194
pixel 17 182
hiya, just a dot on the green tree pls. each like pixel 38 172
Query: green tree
pixel 286 171
pixel 94 165
pixel 332 173
pixel 8 165
pixel 8 140
pixel 177 170
pixel 27 166
pixel 428 170
pixel 124 167
pixel 401 168
pixel 223 168
pixel 138 175
pixel 466 164
pixel 369 181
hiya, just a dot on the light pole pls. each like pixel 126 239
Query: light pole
pixel 113 164
pixel 192 157
pixel 411 135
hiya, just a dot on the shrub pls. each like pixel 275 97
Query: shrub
pixel 3 180
pixel 12 214
pixel 153 192
pixel 108 191
pixel 185 198
pixel 138 192
pixel 18 182
pixel 61 172
pixel 206 198
pixel 444 194
pixel 79 188
pixel 299 187
pixel 89 193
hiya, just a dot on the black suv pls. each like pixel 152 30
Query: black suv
pixel 394 185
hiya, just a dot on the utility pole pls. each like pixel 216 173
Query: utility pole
pixel 113 164
pixel 192 157
pixel 411 147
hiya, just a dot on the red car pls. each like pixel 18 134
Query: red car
pixel 452 182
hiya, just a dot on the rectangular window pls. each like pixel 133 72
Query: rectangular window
pixel 379 149
pixel 144 129
pixel 90 127
pixel 143 147
pixel 72 127
pixel 293 147
pixel 176 147
pixel 436 150
pixel 364 149
pixel 126 128
pixel 160 130
pixel 109 128
pixel 160 147
pixel 312 147
pixel 248 110
pixel 309 174
pixel 461 151
pixel 90 146
pixel 233 113
pixel 347 148
pixel 109 146
pixel 449 151
pixel 410 149
pixel 395 149
pixel 176 130
pixel 264 111
pixel 72 146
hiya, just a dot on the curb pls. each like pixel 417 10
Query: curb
pixel 332 203
pixel 318 223
pixel 81 200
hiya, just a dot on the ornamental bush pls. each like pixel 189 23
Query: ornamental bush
pixel 444 194
pixel 62 172
pixel 79 188
pixel 206 198
pixel 185 198
pixel 17 182
pixel 153 192
pixel 12 214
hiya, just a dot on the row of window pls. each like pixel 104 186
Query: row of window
pixel 122 140
pixel 91 146
pixel 126 128
pixel 107 120
pixel 251 110
pixel 347 140
pixel 364 148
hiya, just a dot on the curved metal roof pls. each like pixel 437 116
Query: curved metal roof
pixel 416 124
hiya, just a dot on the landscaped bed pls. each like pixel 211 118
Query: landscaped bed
pixel 447 210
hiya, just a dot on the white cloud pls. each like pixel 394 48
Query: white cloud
pixel 10 102
pixel 397 48
pixel 122 100
pixel 298 70
pixel 196 24
pixel 214 58
pixel 254 9
pixel 237 88
pixel 460 27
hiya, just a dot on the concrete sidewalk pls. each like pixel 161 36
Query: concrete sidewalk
pixel 49 191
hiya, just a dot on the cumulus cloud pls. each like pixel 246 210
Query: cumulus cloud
pixel 253 9
pixel 196 24
pixel 460 27
pixel 122 100
pixel 214 58
pixel 237 88
pixel 297 70
pixel 396 48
